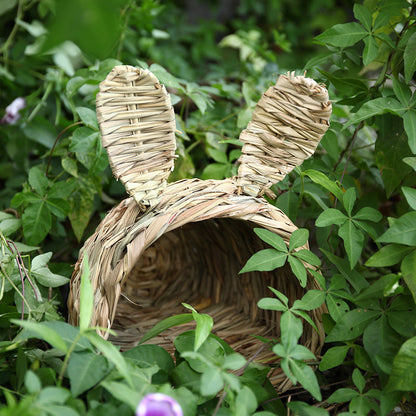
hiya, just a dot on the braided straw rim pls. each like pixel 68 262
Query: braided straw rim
pixel 137 124
pixel 287 124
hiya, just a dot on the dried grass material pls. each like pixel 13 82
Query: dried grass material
pixel 189 248
pixel 287 125
pixel 137 125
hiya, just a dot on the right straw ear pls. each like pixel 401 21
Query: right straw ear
pixel 287 124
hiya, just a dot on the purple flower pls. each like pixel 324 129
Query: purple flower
pixel 12 111
pixel 158 404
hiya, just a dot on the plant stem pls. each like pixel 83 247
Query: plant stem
pixel 67 357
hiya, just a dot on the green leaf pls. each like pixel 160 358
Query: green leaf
pixel 124 394
pixel 304 409
pixel 52 394
pixel 348 200
pixel 37 222
pixel 329 217
pixel 307 377
pixel 408 269
pixel 300 352
pixel 291 329
pixel 337 308
pixel 204 324
pixel 86 306
pixel 358 380
pixel 374 107
pixel 342 395
pixel 167 323
pixel 308 256
pixel 85 370
pixel 245 402
pixel 147 355
pixel 370 51
pixel 43 331
pixel 410 195
pixel 211 382
pixel 402 91
pixel 234 362
pixel 403 231
pixel 368 214
pixel 298 270
pixel 409 57
pixel 377 289
pixel 346 86
pixel 298 238
pixel 409 123
pixel 321 179
pixel 272 239
pixel 334 357
pixel 88 117
pixel 410 161
pixel 312 299
pixel 271 304
pixel 353 241
pixel 388 255
pixel 265 260
pixel 82 201
pixel 218 155
pixel 351 325
pixel 112 354
pixel 32 382
pixel 356 280
pixel 362 14
pixel 342 35
pixel 46 278
pixel 58 207
pixel 401 379
pixel 41 131
pixel 70 166
pixel 391 155
pixel 164 76
pixel 280 295
pixel 214 171
pixel 38 180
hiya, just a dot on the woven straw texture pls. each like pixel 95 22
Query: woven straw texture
pixel 287 125
pixel 189 248
pixel 137 126
pixel 189 240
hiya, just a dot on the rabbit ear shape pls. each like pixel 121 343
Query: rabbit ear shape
pixel 137 124
pixel 287 124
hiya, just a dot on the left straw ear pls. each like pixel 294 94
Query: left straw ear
pixel 137 124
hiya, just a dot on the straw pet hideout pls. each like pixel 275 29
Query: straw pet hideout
pixel 188 241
